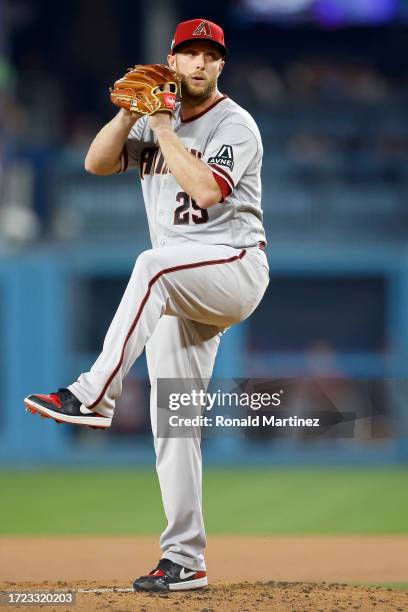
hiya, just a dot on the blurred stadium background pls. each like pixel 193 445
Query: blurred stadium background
pixel 327 82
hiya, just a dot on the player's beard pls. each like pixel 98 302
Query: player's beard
pixel 197 95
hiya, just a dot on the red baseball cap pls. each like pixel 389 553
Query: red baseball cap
pixel 199 29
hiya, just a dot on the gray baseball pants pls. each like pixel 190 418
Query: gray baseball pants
pixel 177 304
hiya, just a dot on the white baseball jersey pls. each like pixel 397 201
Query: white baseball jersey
pixel 225 137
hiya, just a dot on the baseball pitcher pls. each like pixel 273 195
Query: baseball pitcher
pixel 199 162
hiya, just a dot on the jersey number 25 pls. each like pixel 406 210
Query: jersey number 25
pixel 182 212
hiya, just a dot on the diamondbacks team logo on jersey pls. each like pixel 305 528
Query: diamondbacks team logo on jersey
pixel 203 29
pixel 224 157
pixel 152 161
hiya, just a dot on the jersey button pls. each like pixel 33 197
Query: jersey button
pixel 161 212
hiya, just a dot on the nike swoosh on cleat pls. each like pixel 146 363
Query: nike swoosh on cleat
pixel 84 410
pixel 184 574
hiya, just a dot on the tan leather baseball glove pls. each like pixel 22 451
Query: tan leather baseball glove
pixel 147 89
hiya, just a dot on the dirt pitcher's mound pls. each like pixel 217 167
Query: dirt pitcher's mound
pixel 306 572
pixel 225 597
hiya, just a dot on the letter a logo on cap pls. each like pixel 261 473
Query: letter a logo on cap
pixel 203 29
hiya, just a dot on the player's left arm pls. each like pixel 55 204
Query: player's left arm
pixel 233 150
pixel 193 175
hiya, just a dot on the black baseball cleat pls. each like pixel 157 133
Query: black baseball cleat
pixel 170 576
pixel 64 407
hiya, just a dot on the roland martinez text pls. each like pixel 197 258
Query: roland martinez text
pixel 249 421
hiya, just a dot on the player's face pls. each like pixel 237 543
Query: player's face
pixel 199 63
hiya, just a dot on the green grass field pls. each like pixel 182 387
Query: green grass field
pixel 235 501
